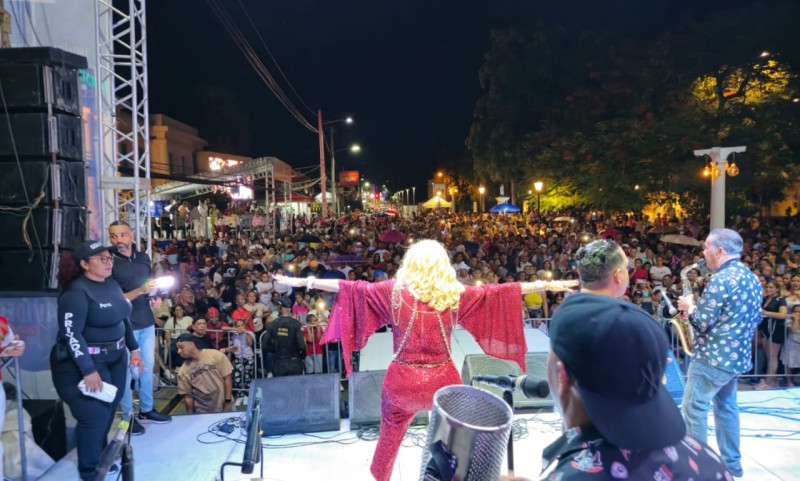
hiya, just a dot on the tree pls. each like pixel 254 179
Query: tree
pixel 613 113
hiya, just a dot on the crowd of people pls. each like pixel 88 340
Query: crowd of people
pixel 226 273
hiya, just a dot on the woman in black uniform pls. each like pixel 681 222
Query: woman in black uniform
pixel 93 332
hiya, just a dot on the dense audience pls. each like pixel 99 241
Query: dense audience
pixel 224 262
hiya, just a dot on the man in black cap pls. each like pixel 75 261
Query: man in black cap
pixel 285 339
pixel 605 372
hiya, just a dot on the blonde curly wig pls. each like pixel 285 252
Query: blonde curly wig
pixel 428 275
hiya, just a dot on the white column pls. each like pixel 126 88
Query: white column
pixel 719 157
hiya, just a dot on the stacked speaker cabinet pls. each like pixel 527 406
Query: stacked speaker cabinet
pixel 42 165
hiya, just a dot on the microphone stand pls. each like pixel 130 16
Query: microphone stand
pixel 509 399
pixel 109 454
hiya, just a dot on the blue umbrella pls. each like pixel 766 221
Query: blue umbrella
pixel 505 207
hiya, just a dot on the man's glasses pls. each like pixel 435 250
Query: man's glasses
pixel 104 259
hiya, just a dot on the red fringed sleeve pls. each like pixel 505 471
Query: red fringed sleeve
pixel 492 313
pixel 360 309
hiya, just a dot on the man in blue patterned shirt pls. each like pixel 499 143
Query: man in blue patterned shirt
pixel 724 319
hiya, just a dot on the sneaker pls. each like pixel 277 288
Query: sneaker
pixel 113 472
pixel 154 417
pixel 136 428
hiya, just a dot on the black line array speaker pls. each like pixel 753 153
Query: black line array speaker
pixel 32 86
pixel 65 226
pixel 59 181
pixel 483 365
pixel 365 400
pixel 25 270
pixel 298 404
pixel 37 135
pixel 42 168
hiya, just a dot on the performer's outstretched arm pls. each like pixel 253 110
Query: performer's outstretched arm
pixel 330 285
pixel 553 286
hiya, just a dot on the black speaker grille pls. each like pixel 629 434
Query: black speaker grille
pixel 365 400
pixel 68 225
pixel 69 178
pixel 298 404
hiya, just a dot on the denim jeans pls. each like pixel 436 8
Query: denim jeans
pixel 705 384
pixel 147 346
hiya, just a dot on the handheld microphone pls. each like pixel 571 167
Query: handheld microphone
pixel 529 386
pixel 252 447
pixel 672 310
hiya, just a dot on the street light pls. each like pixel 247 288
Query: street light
pixel 482 190
pixel 538 186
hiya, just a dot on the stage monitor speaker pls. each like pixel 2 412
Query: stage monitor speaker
pixel 49 425
pixel 31 87
pixel 483 365
pixel 365 400
pixel 37 136
pixel 298 404
pixel 46 226
pixel 62 181
pixel 23 270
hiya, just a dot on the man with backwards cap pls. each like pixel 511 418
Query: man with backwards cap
pixel 285 340
pixel 605 371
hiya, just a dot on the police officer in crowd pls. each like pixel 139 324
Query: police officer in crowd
pixel 93 334
pixel 133 272
pixel 285 339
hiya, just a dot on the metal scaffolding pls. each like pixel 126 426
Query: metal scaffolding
pixel 124 153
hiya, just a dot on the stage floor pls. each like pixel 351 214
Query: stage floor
pixel 184 450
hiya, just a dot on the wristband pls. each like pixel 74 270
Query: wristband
pixel 310 282
pixel 229 400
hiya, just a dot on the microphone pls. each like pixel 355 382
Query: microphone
pixel 672 310
pixel 530 386
pixel 252 447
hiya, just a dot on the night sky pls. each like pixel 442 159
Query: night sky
pixel 406 71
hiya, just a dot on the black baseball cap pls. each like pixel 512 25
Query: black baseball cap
pixel 617 355
pixel 284 301
pixel 89 248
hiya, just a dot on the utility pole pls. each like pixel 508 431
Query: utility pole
pixel 333 176
pixel 322 179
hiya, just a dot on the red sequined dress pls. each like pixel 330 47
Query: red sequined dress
pixel 422 361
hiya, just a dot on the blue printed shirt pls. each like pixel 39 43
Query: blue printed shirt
pixel 726 318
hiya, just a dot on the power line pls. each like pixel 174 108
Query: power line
pixel 264 44
pixel 251 56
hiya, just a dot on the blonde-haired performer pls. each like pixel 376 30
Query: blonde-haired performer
pixel 423 303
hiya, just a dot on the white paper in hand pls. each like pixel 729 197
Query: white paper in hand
pixel 106 394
